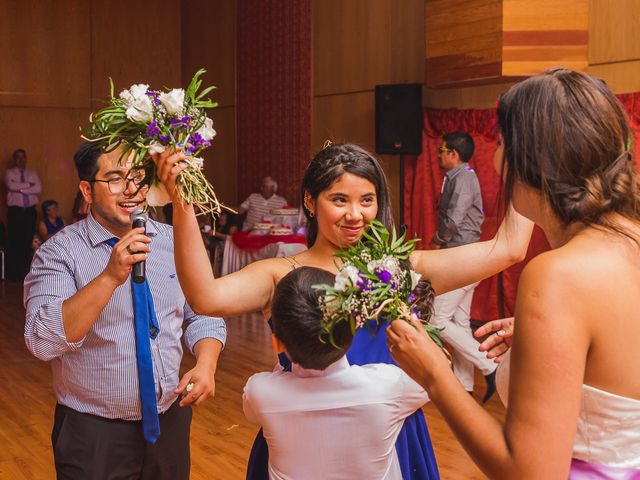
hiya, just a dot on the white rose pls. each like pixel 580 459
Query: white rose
pixel 155 147
pixel 140 110
pixel 390 264
pixel 206 131
pixel 173 101
pixel 157 196
pixel 134 93
pixel 197 162
pixel 346 277
pixel 415 278
pixel 126 96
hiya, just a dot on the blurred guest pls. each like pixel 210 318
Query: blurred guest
pixel 259 205
pixel 80 208
pixel 226 225
pixel 23 187
pixel 460 216
pixel 51 222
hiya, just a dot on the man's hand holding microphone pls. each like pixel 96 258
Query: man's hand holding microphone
pixel 130 253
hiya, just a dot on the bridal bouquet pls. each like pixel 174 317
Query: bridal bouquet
pixel 142 122
pixel 374 282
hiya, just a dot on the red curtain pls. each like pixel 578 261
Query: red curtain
pixel 423 180
pixel 273 96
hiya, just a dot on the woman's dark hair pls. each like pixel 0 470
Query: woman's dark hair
pixel 86 159
pixel 297 319
pixel 566 134
pixel 329 165
pixel 46 204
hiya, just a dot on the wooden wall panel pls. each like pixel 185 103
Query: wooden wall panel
pixel 357 45
pixel 134 42
pixel 543 34
pixel 220 164
pixel 45 54
pixel 50 136
pixel 621 77
pixel 350 45
pixel 209 41
pixel 463 41
pixel 613 31
pixel 477 97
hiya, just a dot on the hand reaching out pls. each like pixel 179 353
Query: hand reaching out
pixel 499 340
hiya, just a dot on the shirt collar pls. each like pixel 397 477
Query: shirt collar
pixel 97 234
pixel 334 369
pixel 454 171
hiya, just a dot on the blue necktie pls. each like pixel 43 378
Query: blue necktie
pixel 25 197
pixel 146 327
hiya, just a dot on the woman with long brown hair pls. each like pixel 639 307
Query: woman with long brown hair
pixel 574 390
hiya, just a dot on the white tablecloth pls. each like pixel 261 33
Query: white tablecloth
pixel 233 258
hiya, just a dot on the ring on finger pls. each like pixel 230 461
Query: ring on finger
pixel 501 333
pixel 129 250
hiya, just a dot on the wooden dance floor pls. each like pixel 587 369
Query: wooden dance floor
pixel 221 438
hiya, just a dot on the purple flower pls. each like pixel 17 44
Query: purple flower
pixel 416 312
pixel 384 276
pixel 152 129
pixel 154 96
pixel 181 123
pixel 363 285
pixel 163 138
pixel 412 298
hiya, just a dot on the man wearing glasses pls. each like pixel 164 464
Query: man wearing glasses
pixel 460 216
pixel 122 411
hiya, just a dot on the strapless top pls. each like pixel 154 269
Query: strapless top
pixel 608 431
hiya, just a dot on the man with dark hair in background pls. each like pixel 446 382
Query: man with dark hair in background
pixel 23 187
pixel 460 216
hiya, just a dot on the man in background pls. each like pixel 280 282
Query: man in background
pixel 259 205
pixel 460 216
pixel 23 187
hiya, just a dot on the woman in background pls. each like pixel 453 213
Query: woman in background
pixel 51 222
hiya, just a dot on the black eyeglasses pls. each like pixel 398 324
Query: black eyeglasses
pixel 118 185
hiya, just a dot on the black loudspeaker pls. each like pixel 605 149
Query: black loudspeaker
pixel 399 118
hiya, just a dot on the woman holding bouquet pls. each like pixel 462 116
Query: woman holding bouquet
pixel 574 389
pixel 343 189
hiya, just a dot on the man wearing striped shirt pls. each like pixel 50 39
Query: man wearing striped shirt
pixel 259 205
pixel 80 316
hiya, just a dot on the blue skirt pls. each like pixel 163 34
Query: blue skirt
pixel 415 452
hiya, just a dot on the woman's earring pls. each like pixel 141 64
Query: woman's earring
pixel 310 213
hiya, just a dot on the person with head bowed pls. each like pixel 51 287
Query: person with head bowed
pixel 573 390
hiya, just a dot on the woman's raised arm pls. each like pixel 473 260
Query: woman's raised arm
pixel 452 268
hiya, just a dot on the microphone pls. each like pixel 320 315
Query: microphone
pixel 139 219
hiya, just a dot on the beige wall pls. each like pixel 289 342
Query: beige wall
pixel 358 44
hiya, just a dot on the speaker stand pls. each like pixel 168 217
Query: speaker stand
pixel 403 225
